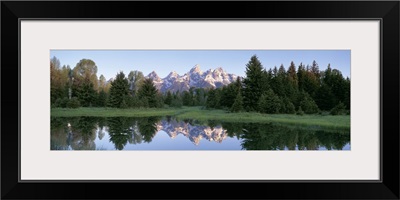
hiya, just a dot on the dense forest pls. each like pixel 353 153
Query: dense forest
pixel 297 90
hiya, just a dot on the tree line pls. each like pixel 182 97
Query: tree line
pixel 301 90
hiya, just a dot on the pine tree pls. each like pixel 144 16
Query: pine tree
pixel 149 91
pixel 307 104
pixel 118 90
pixel 287 106
pixel 187 98
pixel 339 109
pixel 301 75
pixel 87 95
pixel 237 106
pixel 168 98
pixel 229 94
pixel 214 98
pixel 252 84
pixel 300 111
pixel 325 98
pixel 102 99
pixel 200 96
pixel 269 102
pixel 211 99
pixel 176 101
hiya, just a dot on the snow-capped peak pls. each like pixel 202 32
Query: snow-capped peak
pixel 153 75
pixel 194 78
pixel 219 69
pixel 195 69
pixel 172 74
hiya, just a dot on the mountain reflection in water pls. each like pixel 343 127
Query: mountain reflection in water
pixel 155 133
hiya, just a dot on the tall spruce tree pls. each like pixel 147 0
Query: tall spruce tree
pixel 308 104
pixel 237 105
pixel 252 84
pixel 214 98
pixel 102 99
pixel 118 90
pixel 269 102
pixel 168 98
pixel 148 92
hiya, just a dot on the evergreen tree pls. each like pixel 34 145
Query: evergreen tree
pixel 168 98
pixel 292 84
pixel 269 102
pixel 300 111
pixel 73 103
pixel 102 99
pixel 118 90
pixel 287 106
pixel 278 81
pixel 237 106
pixel 200 96
pixel 213 98
pixel 238 83
pixel 292 75
pixel 338 86
pixel 176 101
pixel 87 95
pixel 229 93
pixel 186 98
pixel 315 70
pixel 325 98
pixel 149 92
pixel 301 76
pixel 252 84
pixel 346 100
pixel 339 109
pixel 307 104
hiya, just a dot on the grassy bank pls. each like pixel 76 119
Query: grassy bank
pixel 342 121
pixel 204 115
pixel 115 112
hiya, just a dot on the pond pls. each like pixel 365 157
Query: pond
pixel 168 133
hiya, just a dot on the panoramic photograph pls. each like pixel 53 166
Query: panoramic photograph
pixel 263 100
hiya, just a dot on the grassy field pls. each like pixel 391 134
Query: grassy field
pixel 342 121
pixel 115 112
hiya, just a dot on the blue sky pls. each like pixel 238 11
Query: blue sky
pixel 110 62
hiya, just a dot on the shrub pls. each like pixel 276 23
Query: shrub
pixel 300 111
pixel 123 104
pixel 238 103
pixel 269 102
pixel 309 106
pixel 177 103
pixel 61 102
pixel 73 103
pixel 339 109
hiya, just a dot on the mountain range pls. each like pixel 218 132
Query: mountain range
pixel 194 78
pixel 194 133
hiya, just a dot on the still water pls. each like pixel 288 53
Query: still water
pixel 154 133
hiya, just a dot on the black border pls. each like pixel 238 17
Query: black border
pixel 387 11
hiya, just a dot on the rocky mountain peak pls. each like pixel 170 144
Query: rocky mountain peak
pixel 196 69
pixel 173 74
pixel 154 76
pixel 219 69
pixel 194 78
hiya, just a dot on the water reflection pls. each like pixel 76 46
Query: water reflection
pixel 155 133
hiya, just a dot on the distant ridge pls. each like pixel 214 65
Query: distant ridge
pixel 194 78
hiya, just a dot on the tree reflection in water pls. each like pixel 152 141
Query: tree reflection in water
pixel 80 133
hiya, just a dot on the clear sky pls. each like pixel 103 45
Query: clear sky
pixel 110 62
